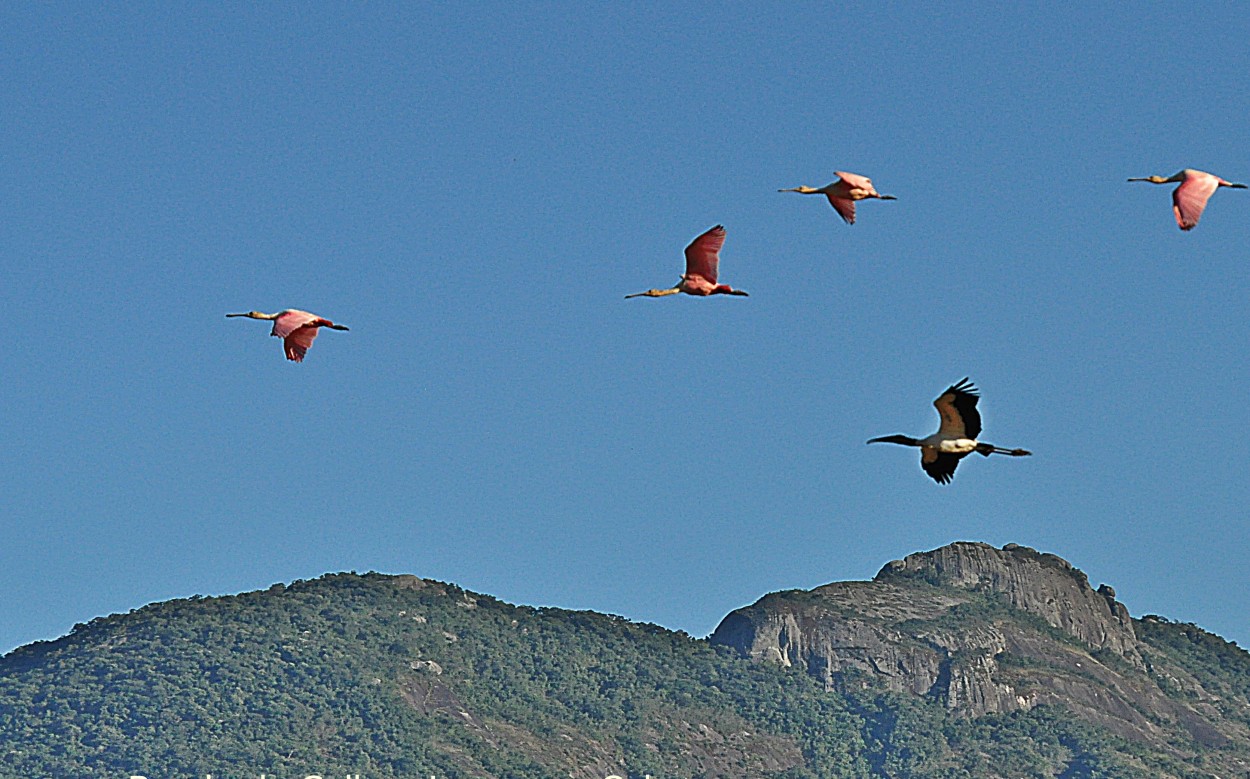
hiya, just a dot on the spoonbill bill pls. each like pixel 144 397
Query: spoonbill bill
pixel 702 258
pixel 956 438
pixel 296 328
pixel 1192 195
pixel 844 192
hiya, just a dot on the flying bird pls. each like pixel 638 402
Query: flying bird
pixel 702 258
pixel 956 438
pixel 844 192
pixel 296 328
pixel 1192 195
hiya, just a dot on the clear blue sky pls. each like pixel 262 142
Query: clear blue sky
pixel 473 189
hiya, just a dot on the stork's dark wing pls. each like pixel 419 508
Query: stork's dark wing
pixel 958 409
pixel 941 466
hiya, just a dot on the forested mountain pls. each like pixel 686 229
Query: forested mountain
pixel 963 662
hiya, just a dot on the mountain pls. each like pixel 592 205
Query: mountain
pixel 983 631
pixel 961 663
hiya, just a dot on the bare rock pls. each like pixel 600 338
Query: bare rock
pixel 980 629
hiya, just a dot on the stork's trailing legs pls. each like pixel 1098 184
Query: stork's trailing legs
pixel 989 449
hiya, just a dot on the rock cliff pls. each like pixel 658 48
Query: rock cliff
pixel 983 630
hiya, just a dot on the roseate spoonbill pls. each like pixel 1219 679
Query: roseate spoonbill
pixel 296 328
pixel 702 257
pixel 956 438
pixel 1192 195
pixel 844 192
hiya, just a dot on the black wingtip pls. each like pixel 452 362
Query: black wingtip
pixel 964 386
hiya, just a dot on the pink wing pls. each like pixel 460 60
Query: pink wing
pixel 844 207
pixel 298 343
pixel 855 180
pixel 1191 197
pixel 702 255
pixel 291 320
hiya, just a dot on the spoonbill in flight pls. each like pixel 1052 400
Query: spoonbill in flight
pixel 1192 195
pixel 844 192
pixel 702 257
pixel 956 438
pixel 296 328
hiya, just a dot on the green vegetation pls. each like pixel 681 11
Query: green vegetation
pixel 1219 667
pixel 397 677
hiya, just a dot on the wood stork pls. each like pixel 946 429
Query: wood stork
pixel 1192 195
pixel 844 192
pixel 702 261
pixel 956 438
pixel 296 328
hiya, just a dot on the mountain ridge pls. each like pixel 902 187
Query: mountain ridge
pixel 983 662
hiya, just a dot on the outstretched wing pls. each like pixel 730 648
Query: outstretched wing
pixel 297 330
pixel 291 320
pixel 845 208
pixel 297 343
pixel 855 181
pixel 1191 197
pixel 958 408
pixel 939 465
pixel 703 254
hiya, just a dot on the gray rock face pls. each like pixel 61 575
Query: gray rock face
pixel 1033 582
pixel 843 627
pixel 980 629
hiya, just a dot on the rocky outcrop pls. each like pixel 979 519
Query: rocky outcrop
pixel 839 630
pixel 979 629
pixel 1033 582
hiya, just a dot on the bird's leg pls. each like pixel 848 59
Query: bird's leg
pixel 989 449
pixel 655 293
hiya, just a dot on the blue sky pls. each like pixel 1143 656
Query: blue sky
pixel 473 189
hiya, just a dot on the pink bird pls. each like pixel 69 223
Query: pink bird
pixel 296 328
pixel 702 257
pixel 844 192
pixel 1192 195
